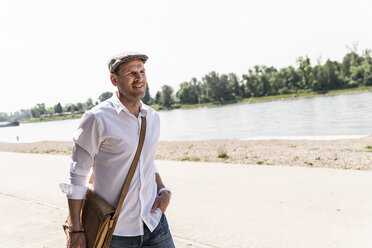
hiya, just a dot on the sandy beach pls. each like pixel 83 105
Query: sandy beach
pixel 213 204
pixel 342 153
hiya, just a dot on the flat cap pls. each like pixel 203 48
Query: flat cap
pixel 120 58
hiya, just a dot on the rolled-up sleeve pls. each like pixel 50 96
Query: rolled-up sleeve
pixel 87 140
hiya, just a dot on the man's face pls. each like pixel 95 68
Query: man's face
pixel 131 80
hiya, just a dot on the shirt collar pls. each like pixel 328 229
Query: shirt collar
pixel 119 106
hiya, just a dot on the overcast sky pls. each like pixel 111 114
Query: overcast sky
pixel 57 51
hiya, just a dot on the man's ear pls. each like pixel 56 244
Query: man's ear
pixel 113 79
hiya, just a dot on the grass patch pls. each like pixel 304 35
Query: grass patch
pixel 259 162
pixel 222 152
pixel 368 147
pixel 223 155
pixel 193 159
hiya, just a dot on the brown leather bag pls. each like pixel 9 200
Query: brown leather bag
pixel 98 217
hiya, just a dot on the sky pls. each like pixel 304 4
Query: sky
pixel 57 51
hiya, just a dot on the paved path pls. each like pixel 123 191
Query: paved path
pixel 213 205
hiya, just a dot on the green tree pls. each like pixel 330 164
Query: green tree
pixel 41 108
pixel 35 113
pixel 216 87
pixel 289 80
pixel 58 108
pixel 104 96
pixel 333 72
pixel 203 93
pixel 38 110
pixel 226 87
pixel 305 71
pixel 49 111
pixel 235 86
pixel 349 66
pixel 89 103
pixel 187 93
pixel 166 96
pixel 74 108
pixel 68 108
pixel 146 99
pixel 267 81
pixel 326 77
pixel 252 83
pixel 157 97
pixel 80 107
pixel 367 67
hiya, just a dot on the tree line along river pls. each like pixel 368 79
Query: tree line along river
pixel 337 115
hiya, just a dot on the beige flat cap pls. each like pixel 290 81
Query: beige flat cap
pixel 120 58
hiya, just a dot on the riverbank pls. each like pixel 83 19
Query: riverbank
pixel 54 118
pixel 219 103
pixel 353 154
pixel 266 98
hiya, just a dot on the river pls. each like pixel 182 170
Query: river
pixel 320 117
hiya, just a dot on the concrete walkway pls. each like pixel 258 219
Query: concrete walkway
pixel 213 205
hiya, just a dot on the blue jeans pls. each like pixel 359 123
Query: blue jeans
pixel 159 238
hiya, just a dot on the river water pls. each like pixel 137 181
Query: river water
pixel 320 117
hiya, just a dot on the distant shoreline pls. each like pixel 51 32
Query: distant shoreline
pixel 272 98
pixel 213 104
pixel 353 153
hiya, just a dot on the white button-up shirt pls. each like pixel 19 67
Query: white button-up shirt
pixel 106 141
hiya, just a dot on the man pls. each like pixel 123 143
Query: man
pixel 106 141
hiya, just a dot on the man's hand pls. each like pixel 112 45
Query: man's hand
pixel 76 240
pixel 161 202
